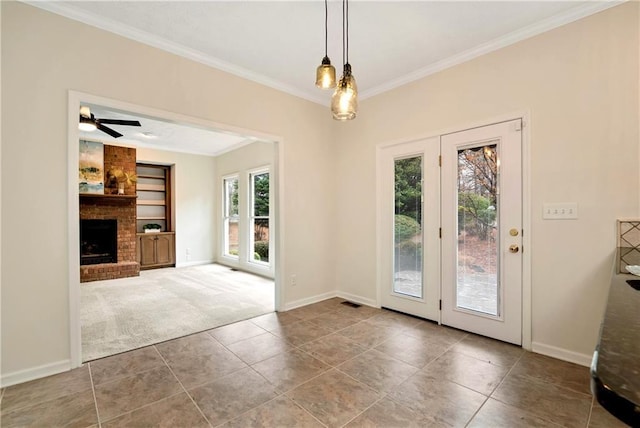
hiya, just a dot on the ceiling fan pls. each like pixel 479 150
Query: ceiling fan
pixel 88 122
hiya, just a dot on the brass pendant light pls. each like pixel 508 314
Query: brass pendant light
pixel 344 103
pixel 325 73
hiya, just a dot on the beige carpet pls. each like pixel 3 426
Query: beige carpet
pixel 123 314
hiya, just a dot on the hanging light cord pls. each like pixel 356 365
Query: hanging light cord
pixel 326 28
pixel 343 56
pixel 347 13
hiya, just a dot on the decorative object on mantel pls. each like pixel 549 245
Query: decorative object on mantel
pixel 118 179
pixel 326 73
pixel 90 168
pixel 151 228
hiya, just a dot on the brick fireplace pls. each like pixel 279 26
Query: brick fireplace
pixel 118 208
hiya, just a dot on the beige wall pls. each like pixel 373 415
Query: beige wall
pixel 194 204
pixel 45 55
pixel 580 85
pixel 241 162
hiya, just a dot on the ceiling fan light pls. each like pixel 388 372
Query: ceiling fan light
pixel 326 74
pixel 344 103
pixel 86 124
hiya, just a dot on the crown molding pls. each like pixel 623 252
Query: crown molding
pixel 200 57
pixel 493 45
pixel 169 46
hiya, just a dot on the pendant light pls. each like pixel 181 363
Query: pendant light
pixel 325 73
pixel 344 103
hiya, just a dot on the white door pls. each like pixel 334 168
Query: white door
pixel 482 231
pixel 408 226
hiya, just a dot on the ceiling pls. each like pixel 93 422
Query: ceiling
pixel 163 135
pixel 280 43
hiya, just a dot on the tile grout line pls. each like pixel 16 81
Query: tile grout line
pixel 498 386
pixel 495 389
pixel 95 399
pixel 593 398
pixel 386 393
pixel 182 386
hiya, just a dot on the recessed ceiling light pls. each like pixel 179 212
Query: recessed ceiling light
pixel 148 135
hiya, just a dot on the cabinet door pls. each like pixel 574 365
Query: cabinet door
pixel 164 249
pixel 147 250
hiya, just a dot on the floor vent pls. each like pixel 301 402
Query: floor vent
pixel 350 304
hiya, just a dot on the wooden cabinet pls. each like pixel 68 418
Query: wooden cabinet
pixel 156 250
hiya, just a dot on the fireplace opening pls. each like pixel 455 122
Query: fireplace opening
pixel 98 241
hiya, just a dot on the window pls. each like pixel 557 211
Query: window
pixel 231 216
pixel 259 217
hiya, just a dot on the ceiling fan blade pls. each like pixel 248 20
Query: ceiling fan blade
pixel 120 122
pixel 114 134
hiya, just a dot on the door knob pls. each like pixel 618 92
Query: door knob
pixel 514 248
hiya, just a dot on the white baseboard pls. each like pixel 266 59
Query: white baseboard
pixel 358 299
pixel 561 354
pixel 309 300
pixel 196 263
pixel 38 372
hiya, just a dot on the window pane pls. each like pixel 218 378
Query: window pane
pixel 260 217
pixel 408 227
pixel 261 240
pixel 477 278
pixel 232 236
pixel 231 216
pixel 261 195
pixel 231 197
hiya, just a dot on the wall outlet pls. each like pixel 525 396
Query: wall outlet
pixel 560 211
pixel 294 280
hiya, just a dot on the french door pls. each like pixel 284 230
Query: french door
pixel 456 259
pixel 409 183
pixel 482 231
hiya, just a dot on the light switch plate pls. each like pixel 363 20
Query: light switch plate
pixel 560 211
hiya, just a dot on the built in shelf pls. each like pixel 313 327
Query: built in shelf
pixel 150 187
pixel 150 202
pixel 152 218
pixel 157 177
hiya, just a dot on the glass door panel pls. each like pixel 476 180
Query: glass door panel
pixel 408 227
pixel 477 287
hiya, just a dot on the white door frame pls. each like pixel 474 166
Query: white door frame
pixel 73 233
pixel 526 208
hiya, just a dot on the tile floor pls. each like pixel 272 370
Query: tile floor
pixel 325 364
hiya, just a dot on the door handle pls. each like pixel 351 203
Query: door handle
pixel 514 248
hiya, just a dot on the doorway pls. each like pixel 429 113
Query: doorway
pixel 451 211
pixel 75 100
